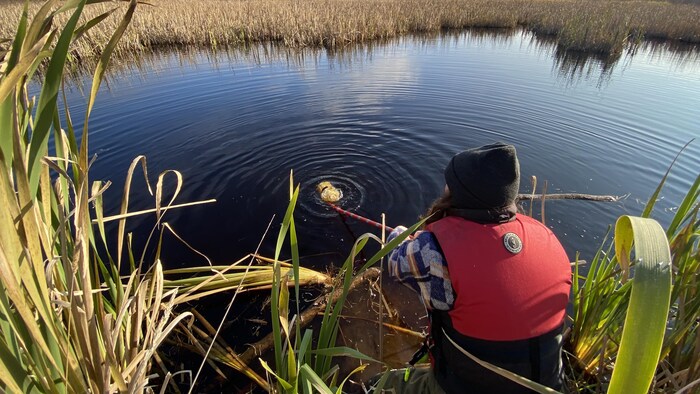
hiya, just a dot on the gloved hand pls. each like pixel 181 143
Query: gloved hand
pixel 397 230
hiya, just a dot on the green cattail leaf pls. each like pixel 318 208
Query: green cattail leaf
pixel 305 347
pixel 294 244
pixel 19 38
pixel 92 23
pixel 106 54
pixel 686 207
pixel 40 25
pixel 315 380
pixel 652 200
pixel 345 351
pixel 645 324
pixel 6 104
pixel 6 127
pixel 276 329
pixel 47 100
pixel 283 382
pixel 360 368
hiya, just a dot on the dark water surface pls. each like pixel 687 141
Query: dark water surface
pixel 381 121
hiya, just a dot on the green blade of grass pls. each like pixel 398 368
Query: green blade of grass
pixel 386 249
pixel 295 260
pixel 283 306
pixel 19 38
pixel 7 109
pixel 7 106
pixel 652 200
pixel 288 218
pixel 691 198
pixel 41 23
pixel 315 380
pixel 305 347
pixel 360 368
pixel 92 23
pixel 645 324
pixel 345 351
pixel 283 382
pixel 296 270
pixel 101 67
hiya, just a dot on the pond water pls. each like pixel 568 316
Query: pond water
pixel 381 121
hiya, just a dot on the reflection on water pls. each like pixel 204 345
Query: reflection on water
pixel 573 66
pixel 568 65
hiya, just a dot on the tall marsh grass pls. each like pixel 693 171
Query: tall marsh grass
pixel 67 323
pixel 589 25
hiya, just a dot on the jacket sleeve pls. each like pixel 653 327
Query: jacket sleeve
pixel 419 264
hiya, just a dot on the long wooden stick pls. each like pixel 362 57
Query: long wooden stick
pixel 136 213
pixel 571 196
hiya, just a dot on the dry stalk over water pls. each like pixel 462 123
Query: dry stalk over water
pixel 588 25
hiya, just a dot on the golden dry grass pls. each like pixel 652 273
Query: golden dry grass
pixel 590 25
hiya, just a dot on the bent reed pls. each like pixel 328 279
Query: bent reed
pixel 591 25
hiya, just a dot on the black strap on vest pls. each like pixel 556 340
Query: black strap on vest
pixel 535 358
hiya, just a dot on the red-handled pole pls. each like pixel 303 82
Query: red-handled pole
pixel 358 217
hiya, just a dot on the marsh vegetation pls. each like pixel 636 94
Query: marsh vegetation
pixel 590 25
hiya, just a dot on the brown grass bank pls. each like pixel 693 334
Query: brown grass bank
pixel 589 25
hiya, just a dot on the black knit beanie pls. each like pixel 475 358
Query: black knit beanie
pixel 487 177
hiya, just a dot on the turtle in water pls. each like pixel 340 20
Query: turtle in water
pixel 328 192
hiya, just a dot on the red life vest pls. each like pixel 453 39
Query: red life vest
pixel 502 295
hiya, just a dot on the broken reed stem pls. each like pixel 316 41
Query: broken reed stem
pixel 544 194
pixel 532 196
pixel 381 293
pixel 260 347
pixel 390 312
pixel 165 208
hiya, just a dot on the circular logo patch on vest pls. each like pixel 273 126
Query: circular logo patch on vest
pixel 513 243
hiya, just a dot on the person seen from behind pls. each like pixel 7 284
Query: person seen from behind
pixel 495 282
